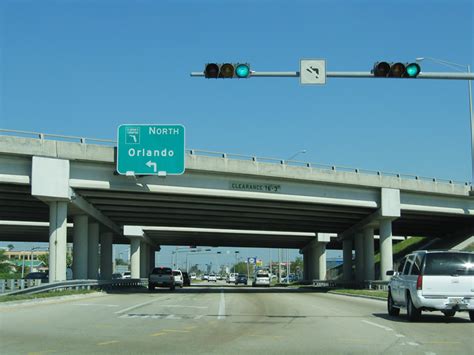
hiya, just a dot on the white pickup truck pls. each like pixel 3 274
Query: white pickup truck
pixel 161 277
pixel 433 281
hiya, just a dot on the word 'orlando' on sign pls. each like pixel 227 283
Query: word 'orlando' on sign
pixel 150 149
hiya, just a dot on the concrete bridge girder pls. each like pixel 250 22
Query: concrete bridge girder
pixel 342 197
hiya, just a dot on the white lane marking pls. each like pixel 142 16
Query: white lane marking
pixel 413 343
pixel 172 316
pixel 377 325
pixel 221 307
pixel 95 304
pixel 135 306
pixel 177 305
pixel 400 335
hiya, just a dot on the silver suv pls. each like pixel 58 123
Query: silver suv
pixel 433 281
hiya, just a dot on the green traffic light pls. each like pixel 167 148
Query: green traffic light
pixel 242 71
pixel 412 70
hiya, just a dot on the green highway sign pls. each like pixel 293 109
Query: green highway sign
pixel 150 149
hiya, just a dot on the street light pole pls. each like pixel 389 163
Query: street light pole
pixel 471 115
pixel 279 266
pixel 288 266
pixel 236 252
pixel 302 151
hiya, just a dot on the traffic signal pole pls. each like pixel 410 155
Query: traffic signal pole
pixel 362 75
pixel 354 74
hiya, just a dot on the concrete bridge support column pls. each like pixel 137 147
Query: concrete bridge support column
pixel 50 183
pixel 390 211
pixel 322 240
pixel 359 257
pixel 313 260
pixel 93 254
pixel 135 257
pixel 386 253
pixel 152 258
pixel 106 256
pixel 143 260
pixel 147 259
pixel 57 240
pixel 80 242
pixel 347 259
pixel 369 264
pixel 305 265
pixel 321 260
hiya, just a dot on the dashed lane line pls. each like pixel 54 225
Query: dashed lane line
pixel 157 334
pixel 377 325
pixel 136 306
pixel 179 306
pixel 221 307
pixel 108 342
pixel 176 331
pixel 95 304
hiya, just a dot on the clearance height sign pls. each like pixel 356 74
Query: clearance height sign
pixel 150 149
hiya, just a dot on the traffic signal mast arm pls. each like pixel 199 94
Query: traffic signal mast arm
pixel 341 74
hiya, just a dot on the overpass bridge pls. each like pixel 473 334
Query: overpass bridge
pixel 220 200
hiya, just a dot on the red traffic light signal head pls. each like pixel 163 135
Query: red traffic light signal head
pixel 211 70
pixel 381 69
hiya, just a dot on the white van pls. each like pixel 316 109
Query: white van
pixel 433 281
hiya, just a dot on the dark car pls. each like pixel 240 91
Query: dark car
pixel 161 277
pixel 241 279
pixel 186 279
pixel 43 276
pixel 116 276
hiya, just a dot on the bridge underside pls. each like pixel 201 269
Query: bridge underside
pixel 177 210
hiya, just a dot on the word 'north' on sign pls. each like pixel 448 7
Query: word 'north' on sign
pixel 150 149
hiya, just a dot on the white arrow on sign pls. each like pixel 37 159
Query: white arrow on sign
pixel 150 163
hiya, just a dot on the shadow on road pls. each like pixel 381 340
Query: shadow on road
pixel 425 318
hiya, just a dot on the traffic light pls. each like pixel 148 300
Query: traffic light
pixel 396 70
pixel 227 70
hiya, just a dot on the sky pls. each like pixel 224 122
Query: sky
pixel 84 67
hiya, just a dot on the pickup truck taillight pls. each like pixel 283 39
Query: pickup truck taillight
pixel 419 282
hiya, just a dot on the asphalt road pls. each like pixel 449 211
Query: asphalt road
pixel 222 319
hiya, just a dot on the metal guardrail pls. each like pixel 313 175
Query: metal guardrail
pixel 296 163
pixel 376 285
pixel 370 285
pixel 75 285
pixel 17 284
